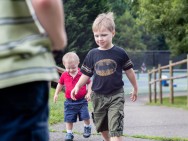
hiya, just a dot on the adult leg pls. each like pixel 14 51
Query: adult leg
pixel 24 112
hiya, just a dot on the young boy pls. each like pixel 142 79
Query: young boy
pixel 106 64
pixel 74 108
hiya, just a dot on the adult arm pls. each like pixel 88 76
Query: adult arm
pixel 132 78
pixel 50 14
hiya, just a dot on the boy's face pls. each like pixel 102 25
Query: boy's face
pixel 71 67
pixel 103 38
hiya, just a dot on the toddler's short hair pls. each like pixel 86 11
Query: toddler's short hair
pixel 71 57
pixel 104 20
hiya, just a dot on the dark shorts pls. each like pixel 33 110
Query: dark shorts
pixel 76 109
pixel 108 112
pixel 24 112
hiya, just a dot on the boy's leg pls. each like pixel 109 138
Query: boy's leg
pixel 87 129
pixel 84 115
pixel 116 116
pixel 69 136
pixel 69 126
pixel 105 135
pixel 116 139
pixel 100 110
pixel 87 122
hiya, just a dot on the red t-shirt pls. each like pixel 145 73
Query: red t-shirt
pixel 69 82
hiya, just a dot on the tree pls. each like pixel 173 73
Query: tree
pixel 169 18
pixel 79 16
pixel 128 34
pixel 118 6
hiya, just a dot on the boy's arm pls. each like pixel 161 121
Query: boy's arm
pixel 89 91
pixel 50 14
pixel 58 89
pixel 132 78
pixel 82 81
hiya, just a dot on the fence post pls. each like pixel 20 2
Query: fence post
pixel 160 85
pixel 187 80
pixel 155 85
pixel 171 83
pixel 149 80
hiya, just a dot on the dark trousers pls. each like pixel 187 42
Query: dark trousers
pixel 24 112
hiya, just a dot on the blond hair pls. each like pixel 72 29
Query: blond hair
pixel 104 20
pixel 71 57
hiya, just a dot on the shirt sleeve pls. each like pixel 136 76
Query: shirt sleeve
pixel 87 66
pixel 128 63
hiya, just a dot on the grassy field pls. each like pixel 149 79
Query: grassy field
pixel 56 109
pixel 179 102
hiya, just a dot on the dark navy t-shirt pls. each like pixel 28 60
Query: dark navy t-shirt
pixel 106 67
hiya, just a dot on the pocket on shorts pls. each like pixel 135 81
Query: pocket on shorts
pixel 121 120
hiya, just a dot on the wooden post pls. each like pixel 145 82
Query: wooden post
pixel 160 85
pixel 171 83
pixel 187 80
pixel 155 85
pixel 149 80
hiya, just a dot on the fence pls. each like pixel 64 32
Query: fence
pixel 152 58
pixel 159 80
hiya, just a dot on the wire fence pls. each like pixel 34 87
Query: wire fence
pixel 153 58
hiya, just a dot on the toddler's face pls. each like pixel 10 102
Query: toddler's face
pixel 103 38
pixel 71 67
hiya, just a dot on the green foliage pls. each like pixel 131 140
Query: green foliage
pixel 79 16
pixel 169 18
pixel 128 34
pixel 118 6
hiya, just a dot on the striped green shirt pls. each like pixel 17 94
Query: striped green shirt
pixel 25 54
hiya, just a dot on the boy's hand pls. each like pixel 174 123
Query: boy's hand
pixel 55 98
pixel 88 96
pixel 73 93
pixel 133 96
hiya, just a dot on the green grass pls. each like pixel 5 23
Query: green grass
pixel 179 102
pixel 157 138
pixel 56 109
